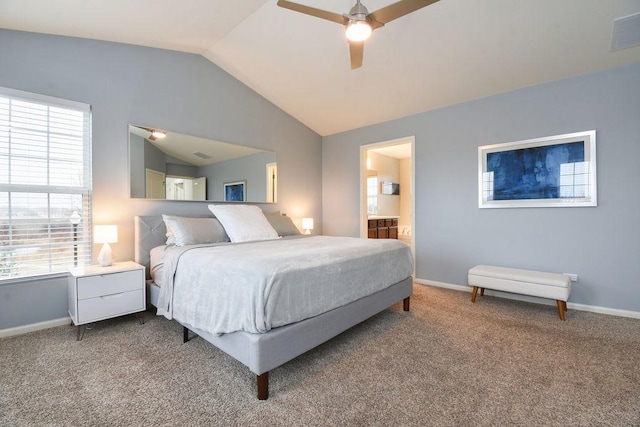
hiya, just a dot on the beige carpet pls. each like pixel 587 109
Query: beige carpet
pixel 446 363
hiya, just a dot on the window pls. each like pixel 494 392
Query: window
pixel 45 184
pixel 372 195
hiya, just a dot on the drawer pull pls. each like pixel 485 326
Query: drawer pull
pixel 111 296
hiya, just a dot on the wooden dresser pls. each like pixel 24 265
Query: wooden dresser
pixel 383 228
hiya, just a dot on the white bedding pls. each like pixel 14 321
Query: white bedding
pixel 257 286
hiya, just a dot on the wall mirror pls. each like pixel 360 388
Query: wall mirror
pixel 168 165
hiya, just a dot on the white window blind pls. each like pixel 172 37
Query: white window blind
pixel 45 184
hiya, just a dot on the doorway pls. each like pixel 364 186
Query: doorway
pixel 186 188
pixel 386 185
pixel 154 184
pixel 272 182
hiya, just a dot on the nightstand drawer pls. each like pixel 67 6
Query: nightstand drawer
pixel 108 284
pixel 112 305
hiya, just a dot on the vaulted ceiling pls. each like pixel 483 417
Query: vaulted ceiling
pixel 449 52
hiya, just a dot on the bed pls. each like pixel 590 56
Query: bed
pixel 265 350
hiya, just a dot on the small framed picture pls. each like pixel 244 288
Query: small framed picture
pixel 235 191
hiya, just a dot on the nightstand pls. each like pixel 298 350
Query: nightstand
pixel 98 293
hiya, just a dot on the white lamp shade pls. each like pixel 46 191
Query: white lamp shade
pixel 105 234
pixel 307 224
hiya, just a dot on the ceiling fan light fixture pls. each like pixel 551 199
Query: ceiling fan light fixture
pixel 359 22
pixel 358 31
pixel 158 134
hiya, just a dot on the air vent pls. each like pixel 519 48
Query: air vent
pixel 626 32
pixel 202 155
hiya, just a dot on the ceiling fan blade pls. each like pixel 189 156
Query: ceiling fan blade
pixel 396 10
pixel 318 13
pixel 356 51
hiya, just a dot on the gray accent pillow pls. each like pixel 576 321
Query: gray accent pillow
pixel 244 223
pixel 182 231
pixel 283 224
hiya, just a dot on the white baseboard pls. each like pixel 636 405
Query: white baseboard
pixel 575 306
pixel 19 330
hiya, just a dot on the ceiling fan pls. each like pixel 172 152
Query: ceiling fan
pixel 359 23
pixel 154 133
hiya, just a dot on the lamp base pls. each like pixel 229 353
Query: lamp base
pixel 104 257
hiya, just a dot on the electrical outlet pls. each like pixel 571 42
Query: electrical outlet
pixel 572 276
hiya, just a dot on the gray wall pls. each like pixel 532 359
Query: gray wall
pixel 170 90
pixel 154 158
pixel 601 244
pixel 250 168
pixel 136 160
pixel 177 167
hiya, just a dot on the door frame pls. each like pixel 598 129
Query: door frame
pixel 272 182
pixel 363 183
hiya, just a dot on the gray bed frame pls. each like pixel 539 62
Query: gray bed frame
pixel 264 352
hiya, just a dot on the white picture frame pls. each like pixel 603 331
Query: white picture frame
pixel 554 171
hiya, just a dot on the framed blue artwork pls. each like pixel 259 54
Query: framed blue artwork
pixel 556 171
pixel 235 191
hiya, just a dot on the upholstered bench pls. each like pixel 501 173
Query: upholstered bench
pixel 533 283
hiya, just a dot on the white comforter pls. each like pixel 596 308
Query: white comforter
pixel 257 286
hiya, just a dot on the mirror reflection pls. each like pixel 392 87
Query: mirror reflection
pixel 173 166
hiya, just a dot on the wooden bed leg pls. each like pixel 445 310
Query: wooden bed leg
pixel 405 303
pixel 263 386
pixel 185 334
pixel 481 292
pixel 474 293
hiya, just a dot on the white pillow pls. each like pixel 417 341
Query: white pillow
pixel 183 231
pixel 244 223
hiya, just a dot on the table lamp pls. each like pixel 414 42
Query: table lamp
pixel 105 234
pixel 307 225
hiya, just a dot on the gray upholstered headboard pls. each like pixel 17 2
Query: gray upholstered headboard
pixel 150 231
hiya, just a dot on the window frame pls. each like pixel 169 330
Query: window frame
pixel 65 242
pixel 372 194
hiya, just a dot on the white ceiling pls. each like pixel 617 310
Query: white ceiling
pixel 450 52
pixel 190 149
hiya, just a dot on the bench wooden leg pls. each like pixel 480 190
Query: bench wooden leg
pixel 474 293
pixel 405 303
pixel 562 307
pixel 481 292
